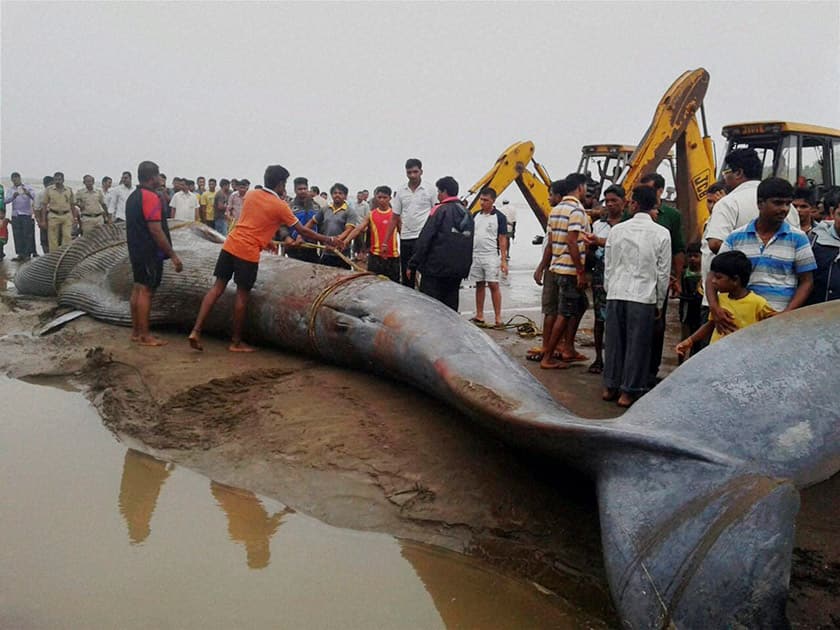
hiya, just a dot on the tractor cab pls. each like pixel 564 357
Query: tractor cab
pixel 604 164
pixel 806 155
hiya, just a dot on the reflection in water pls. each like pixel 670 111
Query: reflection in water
pixel 57 458
pixel 143 477
pixel 468 596
pixel 248 522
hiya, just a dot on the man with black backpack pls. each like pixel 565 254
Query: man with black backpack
pixel 443 252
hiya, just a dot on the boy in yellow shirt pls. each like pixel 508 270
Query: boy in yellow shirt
pixel 731 274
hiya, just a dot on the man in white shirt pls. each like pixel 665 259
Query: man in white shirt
pixel 411 207
pixel 490 238
pixel 107 190
pixel 742 175
pixel 637 272
pixel 184 204
pixel 119 195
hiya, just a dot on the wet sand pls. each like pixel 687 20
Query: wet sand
pixel 362 453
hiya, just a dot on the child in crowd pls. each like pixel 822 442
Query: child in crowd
pixel 730 274
pixel 805 202
pixel 691 297
pixel 384 261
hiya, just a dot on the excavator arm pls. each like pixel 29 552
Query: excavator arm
pixel 512 166
pixel 675 123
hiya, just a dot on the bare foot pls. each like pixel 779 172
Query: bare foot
pixel 195 341
pixel 551 364
pixel 609 395
pixel 241 347
pixel 625 400
pixel 152 342
pixel 135 338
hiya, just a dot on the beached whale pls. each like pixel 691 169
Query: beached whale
pixel 697 482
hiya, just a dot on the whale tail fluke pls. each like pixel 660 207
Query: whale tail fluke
pixel 689 544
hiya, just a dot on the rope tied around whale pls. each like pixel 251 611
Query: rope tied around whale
pixel 325 293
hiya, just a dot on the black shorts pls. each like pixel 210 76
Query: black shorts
pixel 148 271
pixel 572 300
pixel 244 273
pixel 388 267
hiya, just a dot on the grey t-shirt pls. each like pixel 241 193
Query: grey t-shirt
pixel 333 222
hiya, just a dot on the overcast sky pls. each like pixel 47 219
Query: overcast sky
pixel 347 91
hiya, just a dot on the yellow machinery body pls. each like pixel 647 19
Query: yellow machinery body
pixel 803 154
pixel 674 123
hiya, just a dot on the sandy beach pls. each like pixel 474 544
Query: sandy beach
pixel 363 453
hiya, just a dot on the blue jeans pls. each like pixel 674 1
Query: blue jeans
pixel 220 225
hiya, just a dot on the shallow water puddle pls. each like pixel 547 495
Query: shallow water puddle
pixel 95 535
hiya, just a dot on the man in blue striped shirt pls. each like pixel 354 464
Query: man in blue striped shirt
pixel 781 255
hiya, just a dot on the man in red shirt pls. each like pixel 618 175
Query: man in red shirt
pixel 383 258
pixel 263 212
pixel 147 235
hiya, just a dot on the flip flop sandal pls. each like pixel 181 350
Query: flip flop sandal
pixel 478 322
pixel 597 367
pixel 534 354
pixel 562 365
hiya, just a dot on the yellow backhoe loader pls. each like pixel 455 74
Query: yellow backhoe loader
pixel 801 153
pixel 674 123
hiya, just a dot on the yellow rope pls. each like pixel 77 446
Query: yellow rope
pixel 526 329
pixel 324 294
pixel 338 253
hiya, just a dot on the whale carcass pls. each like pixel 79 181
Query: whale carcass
pixel 697 482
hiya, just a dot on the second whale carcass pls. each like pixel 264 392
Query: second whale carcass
pixel 697 482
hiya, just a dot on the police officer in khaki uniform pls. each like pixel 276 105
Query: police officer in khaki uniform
pixel 61 212
pixel 91 205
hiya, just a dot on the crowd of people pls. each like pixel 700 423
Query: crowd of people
pixel 61 214
pixel 385 236
pixel 767 248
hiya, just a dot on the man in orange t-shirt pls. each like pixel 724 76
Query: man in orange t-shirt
pixel 263 212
